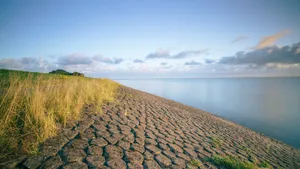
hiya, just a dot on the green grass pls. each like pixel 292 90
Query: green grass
pixel 196 163
pixel 215 142
pixel 33 105
pixel 230 162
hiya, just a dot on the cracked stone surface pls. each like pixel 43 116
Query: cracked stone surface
pixel 145 131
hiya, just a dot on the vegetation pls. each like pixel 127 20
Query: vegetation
pixel 196 163
pixel 33 105
pixel 63 72
pixel 230 162
pixel 215 142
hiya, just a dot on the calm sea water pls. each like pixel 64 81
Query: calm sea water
pixel 266 105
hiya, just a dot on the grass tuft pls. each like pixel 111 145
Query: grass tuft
pixel 33 105
pixel 215 142
pixel 196 163
pixel 230 162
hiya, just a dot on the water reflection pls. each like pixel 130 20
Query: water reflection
pixel 267 105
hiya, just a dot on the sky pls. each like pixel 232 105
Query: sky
pixel 152 38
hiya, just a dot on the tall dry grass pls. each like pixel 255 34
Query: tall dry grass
pixel 32 107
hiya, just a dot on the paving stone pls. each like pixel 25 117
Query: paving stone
pixel 117 164
pixel 138 147
pixel 76 165
pixel 135 166
pixel 80 143
pixel 99 142
pixel 129 138
pixel 73 155
pixel 153 149
pixel 34 162
pixel 163 160
pixel 152 164
pixel 70 134
pixel 190 152
pixel 114 151
pixel 180 162
pixel 150 141
pixel 95 161
pixel 184 156
pixel 158 130
pixel 95 150
pixel 52 163
pixel 148 155
pixel 176 148
pixel 134 157
pixel 123 144
pixel 112 140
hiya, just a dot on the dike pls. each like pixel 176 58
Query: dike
pixel 141 130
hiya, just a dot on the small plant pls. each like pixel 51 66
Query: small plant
pixel 245 148
pixel 230 162
pixel 196 163
pixel 215 142
pixel 264 164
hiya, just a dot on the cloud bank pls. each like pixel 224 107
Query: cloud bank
pixel 192 63
pixel 273 54
pixel 138 61
pixel 161 54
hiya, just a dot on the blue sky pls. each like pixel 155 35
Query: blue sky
pixel 152 38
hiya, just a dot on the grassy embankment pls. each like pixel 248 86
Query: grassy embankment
pixel 34 105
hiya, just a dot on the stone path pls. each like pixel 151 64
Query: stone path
pixel 145 131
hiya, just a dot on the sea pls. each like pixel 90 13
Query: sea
pixel 270 106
